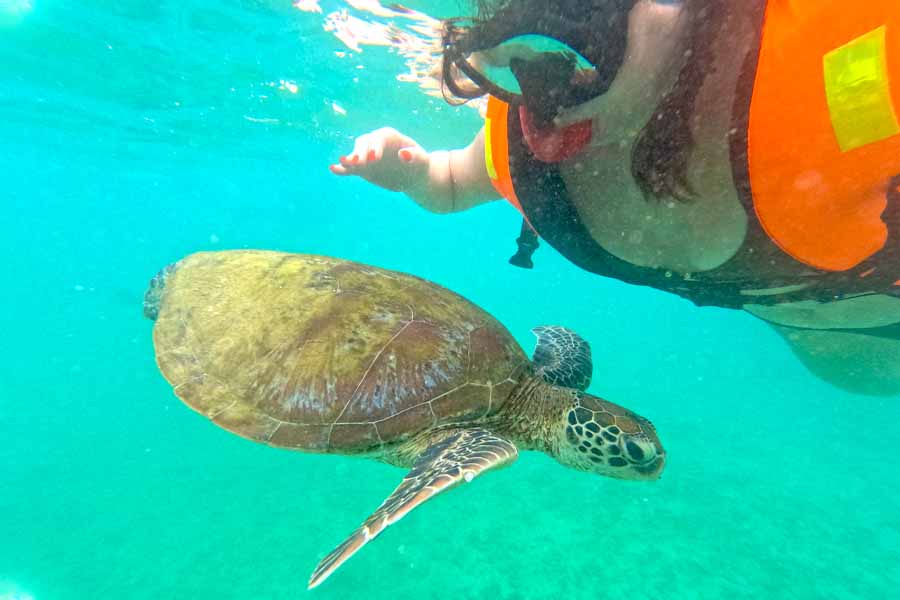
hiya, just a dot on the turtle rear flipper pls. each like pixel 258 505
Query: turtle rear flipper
pixel 562 357
pixel 458 456
pixel 153 295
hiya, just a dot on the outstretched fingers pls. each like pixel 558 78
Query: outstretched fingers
pixel 372 147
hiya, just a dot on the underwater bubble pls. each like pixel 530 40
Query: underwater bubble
pixel 291 87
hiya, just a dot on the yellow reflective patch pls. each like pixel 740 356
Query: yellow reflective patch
pixel 489 151
pixel 858 91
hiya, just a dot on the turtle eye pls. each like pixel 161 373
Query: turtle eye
pixel 639 452
pixel 634 451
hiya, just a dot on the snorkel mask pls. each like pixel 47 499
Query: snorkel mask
pixel 547 57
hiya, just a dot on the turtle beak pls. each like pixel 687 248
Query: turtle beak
pixel 653 469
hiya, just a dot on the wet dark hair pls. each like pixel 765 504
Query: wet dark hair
pixel 485 9
pixel 662 149
pixel 660 154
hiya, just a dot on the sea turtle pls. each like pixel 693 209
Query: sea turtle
pixel 325 355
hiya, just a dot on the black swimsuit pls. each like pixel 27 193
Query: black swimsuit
pixel 758 265
pixel 545 200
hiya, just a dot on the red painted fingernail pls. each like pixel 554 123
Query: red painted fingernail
pixel 405 155
pixel 371 155
pixel 354 159
pixel 343 159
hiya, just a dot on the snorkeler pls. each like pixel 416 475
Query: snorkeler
pixel 738 154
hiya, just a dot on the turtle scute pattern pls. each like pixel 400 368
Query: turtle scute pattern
pixel 594 428
pixel 562 357
pixel 322 354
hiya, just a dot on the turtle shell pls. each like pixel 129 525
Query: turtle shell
pixel 322 354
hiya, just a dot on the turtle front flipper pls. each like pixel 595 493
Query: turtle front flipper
pixel 456 456
pixel 562 357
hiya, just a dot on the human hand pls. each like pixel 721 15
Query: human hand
pixel 587 111
pixel 386 158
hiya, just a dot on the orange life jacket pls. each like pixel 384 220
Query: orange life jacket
pixel 824 134
pixel 822 149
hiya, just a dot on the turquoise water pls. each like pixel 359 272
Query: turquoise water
pixel 134 133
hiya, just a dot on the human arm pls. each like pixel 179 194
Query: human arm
pixel 440 181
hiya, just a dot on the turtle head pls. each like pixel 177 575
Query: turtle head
pixel 606 439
